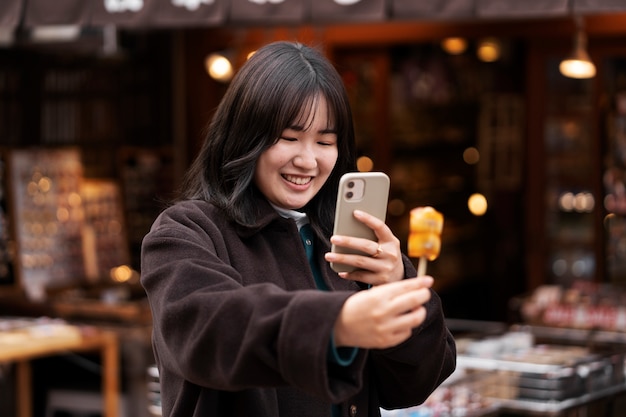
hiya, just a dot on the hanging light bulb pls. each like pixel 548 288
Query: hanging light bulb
pixel 578 64
pixel 454 45
pixel 219 67
pixel 489 50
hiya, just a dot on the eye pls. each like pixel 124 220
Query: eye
pixel 328 140
pixel 288 139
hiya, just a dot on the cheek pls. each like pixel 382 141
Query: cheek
pixel 275 157
pixel 261 170
pixel 329 159
pixel 266 162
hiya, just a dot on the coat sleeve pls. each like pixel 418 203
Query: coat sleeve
pixel 404 376
pixel 214 332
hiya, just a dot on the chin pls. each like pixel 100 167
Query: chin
pixel 296 206
pixel 290 204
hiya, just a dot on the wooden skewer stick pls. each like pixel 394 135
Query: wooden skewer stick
pixel 421 266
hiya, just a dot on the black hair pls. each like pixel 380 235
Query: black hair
pixel 274 88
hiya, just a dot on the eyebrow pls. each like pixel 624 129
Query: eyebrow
pixel 326 131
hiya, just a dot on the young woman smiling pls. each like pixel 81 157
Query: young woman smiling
pixel 249 318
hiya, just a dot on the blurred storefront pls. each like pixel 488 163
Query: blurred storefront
pixel 110 98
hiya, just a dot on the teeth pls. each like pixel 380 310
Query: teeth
pixel 297 180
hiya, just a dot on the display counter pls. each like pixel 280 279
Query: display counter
pixel 524 370
pixel 22 340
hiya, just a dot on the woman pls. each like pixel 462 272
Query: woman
pixel 249 318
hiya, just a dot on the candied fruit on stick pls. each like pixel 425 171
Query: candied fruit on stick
pixel 426 219
pixel 426 225
pixel 424 244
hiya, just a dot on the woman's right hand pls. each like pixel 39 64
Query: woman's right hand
pixel 383 316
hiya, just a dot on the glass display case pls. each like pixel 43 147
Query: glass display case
pixel 570 180
pixel 578 168
pixel 614 173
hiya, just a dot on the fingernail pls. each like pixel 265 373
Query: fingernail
pixel 335 239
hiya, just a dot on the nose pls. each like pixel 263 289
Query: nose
pixel 306 158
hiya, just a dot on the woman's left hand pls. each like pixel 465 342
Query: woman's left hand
pixel 383 265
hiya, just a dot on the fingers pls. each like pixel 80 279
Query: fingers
pixel 379 251
pixel 385 267
pixel 376 262
pixel 406 285
pixel 406 295
pixel 401 328
pixel 368 247
pixel 378 226
pixel 377 257
pixel 383 316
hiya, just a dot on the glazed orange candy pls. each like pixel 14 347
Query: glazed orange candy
pixel 426 225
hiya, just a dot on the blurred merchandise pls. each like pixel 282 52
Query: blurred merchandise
pixel 463 394
pixel 71 238
pixel 48 216
pixel 583 305
pixel 521 372
pixel 105 246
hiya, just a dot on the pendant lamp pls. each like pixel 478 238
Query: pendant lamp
pixel 578 64
pixel 219 66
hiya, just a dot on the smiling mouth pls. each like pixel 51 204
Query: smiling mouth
pixel 298 180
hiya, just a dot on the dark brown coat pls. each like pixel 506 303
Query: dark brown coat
pixel 241 330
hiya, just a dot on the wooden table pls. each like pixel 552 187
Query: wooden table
pixel 23 347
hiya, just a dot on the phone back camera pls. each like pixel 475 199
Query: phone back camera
pixel 354 190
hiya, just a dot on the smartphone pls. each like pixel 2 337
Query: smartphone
pixel 366 191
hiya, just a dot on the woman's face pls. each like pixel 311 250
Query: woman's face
pixel 294 169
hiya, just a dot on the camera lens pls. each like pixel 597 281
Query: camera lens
pixel 349 195
pixel 350 184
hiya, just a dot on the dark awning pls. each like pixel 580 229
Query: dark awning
pixel 268 11
pixel 181 13
pixel 159 13
pixel 348 10
pixel 526 8
pixel 443 9
pixel 59 12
